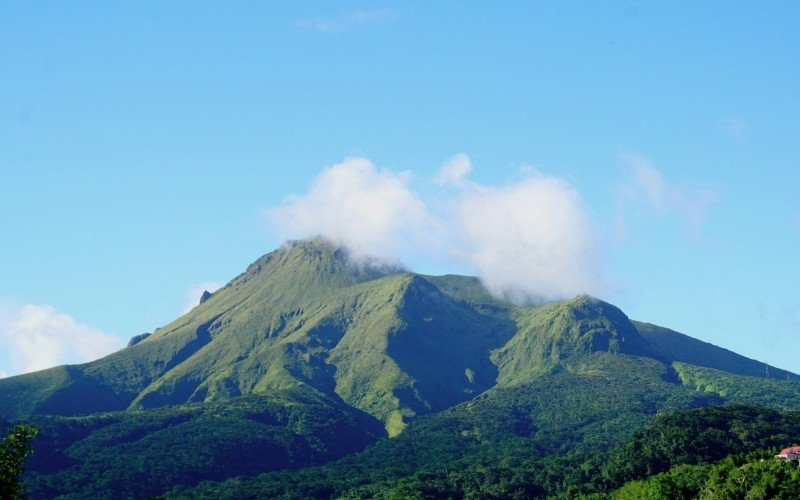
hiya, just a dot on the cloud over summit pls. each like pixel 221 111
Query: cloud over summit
pixel 370 210
pixel 528 240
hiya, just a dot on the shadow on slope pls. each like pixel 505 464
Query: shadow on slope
pixel 445 346
pixel 550 415
pixel 142 453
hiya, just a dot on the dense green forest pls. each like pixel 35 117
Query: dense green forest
pixel 144 453
pixel 507 468
pixel 752 475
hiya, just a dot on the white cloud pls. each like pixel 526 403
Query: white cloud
pixel 372 211
pixel 195 292
pixel 649 187
pixel 527 240
pixel 37 337
pixel 348 21
pixel 734 127
pixel 454 171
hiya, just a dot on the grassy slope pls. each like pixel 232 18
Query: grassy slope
pixel 301 318
pixel 674 346
pixel 782 394
pixel 559 335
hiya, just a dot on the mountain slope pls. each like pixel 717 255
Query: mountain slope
pixel 559 335
pixel 370 350
pixel 674 346
pixel 307 319
pixel 303 319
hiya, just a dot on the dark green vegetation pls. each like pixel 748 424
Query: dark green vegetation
pixel 702 436
pixel 750 476
pixel 141 453
pixel 424 462
pixel 738 389
pixel 308 357
pixel 14 449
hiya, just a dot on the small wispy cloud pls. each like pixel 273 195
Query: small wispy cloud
pixel 346 21
pixel 195 292
pixel 454 171
pixel 734 127
pixel 36 337
pixel 648 186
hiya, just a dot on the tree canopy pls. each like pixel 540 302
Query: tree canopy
pixel 14 448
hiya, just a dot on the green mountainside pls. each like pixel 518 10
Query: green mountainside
pixel 562 335
pixel 301 319
pixel 309 356
pixel 678 347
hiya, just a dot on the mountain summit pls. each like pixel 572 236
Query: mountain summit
pixel 306 318
pixel 360 349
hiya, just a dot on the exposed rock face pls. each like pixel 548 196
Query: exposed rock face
pixel 138 338
pixel 206 295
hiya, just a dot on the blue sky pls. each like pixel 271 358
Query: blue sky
pixel 146 147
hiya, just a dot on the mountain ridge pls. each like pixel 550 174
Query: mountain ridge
pixel 307 343
pixel 309 301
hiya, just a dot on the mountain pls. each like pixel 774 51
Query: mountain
pixel 309 343
pixel 301 319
